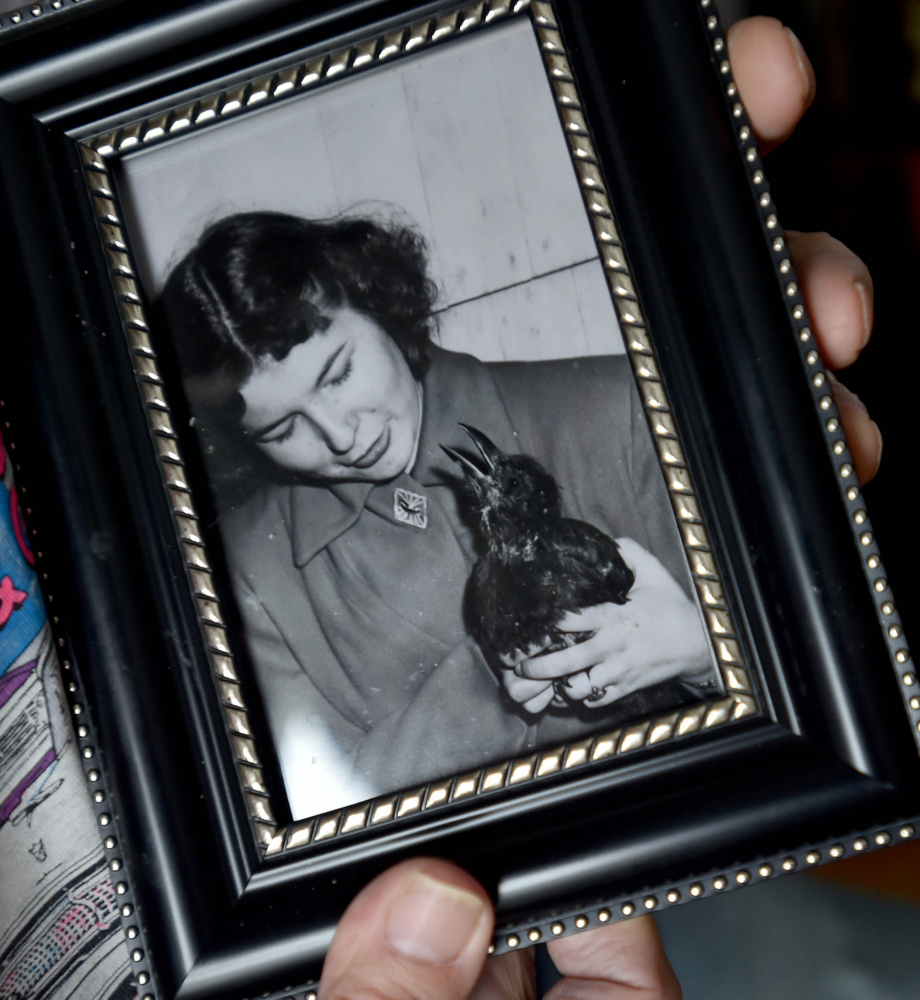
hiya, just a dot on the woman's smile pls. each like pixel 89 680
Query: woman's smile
pixel 375 452
pixel 342 405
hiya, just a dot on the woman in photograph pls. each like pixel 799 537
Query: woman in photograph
pixel 307 355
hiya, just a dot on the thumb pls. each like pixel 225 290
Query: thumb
pixel 419 930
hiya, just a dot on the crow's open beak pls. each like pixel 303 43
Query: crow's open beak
pixel 470 468
pixel 491 455
pixel 476 469
pixel 479 468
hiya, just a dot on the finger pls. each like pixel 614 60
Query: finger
pixel 507 977
pixel 552 666
pixel 605 697
pixel 419 930
pixel 838 293
pixel 606 690
pixel 623 961
pixel 863 436
pixel 774 76
pixel 541 702
pixel 578 686
pixel 523 689
pixel 631 552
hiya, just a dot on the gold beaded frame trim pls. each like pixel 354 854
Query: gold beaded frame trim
pixel 39 10
pixel 819 383
pixel 105 810
pixel 711 884
pixel 737 701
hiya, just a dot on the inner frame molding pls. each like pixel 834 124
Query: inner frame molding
pixel 740 698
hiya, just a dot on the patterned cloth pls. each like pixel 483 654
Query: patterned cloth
pixel 60 933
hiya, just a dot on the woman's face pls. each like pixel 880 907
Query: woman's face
pixel 342 406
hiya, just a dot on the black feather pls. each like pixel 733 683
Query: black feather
pixel 537 564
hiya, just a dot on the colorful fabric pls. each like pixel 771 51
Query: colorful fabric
pixel 60 932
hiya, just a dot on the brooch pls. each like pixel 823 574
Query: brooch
pixel 410 508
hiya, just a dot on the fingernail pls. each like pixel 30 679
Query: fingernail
pixel 804 64
pixel 432 921
pixel 864 301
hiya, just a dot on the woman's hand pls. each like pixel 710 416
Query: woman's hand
pixel 654 637
pixel 421 930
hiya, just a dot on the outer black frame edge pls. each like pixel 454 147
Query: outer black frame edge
pixel 142 45
pixel 187 964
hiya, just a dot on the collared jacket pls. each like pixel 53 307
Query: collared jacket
pixel 351 594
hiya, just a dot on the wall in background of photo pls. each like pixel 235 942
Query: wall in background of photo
pixel 464 142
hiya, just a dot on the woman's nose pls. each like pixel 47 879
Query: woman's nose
pixel 336 429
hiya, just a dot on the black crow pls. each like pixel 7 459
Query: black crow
pixel 537 564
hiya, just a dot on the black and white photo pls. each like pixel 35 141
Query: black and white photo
pixel 409 257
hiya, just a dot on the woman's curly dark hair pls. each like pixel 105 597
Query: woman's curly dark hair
pixel 257 284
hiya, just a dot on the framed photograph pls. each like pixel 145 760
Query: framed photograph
pixel 427 452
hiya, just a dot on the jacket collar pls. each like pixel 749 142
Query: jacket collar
pixel 319 514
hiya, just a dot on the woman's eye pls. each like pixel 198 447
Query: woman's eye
pixel 278 436
pixel 338 379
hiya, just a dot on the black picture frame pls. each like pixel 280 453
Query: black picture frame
pixel 809 751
